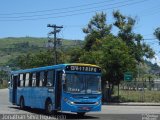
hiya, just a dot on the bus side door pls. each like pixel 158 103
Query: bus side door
pixel 13 89
pixel 58 89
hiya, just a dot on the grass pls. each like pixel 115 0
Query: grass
pixel 9 42
pixel 138 96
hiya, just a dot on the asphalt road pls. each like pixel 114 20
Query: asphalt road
pixel 109 112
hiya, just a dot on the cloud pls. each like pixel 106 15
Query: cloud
pixel 154 60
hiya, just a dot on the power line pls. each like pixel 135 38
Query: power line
pixel 78 13
pixel 73 26
pixel 64 8
pixel 70 11
pixel 152 11
pixel 149 39
pixel 148 34
pixel 65 11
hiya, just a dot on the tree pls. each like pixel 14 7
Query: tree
pixel 3 75
pixel 115 54
pixel 104 49
pixel 112 54
pixel 96 29
pixel 31 60
pixel 75 54
pixel 157 33
pixel 125 25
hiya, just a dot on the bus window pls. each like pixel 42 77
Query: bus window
pixel 30 79
pixel 27 80
pixel 45 78
pixel 34 79
pixel 50 78
pixel 37 78
pixel 21 80
pixel 18 82
pixel 41 78
pixel 24 76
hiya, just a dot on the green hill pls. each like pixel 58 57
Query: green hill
pixel 11 47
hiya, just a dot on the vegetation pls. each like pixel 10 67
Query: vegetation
pixel 138 96
pixel 11 48
pixel 157 33
pixel 125 25
pixel 116 54
pixel 3 79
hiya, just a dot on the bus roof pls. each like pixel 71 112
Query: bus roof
pixel 59 66
pixel 82 64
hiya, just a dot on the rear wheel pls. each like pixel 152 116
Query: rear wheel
pixel 22 105
pixel 49 107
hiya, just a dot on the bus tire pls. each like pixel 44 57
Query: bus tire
pixel 48 107
pixel 22 103
pixel 81 114
pixel 55 112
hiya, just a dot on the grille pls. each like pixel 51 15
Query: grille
pixel 85 97
pixel 84 102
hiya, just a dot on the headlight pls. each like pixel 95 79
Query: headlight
pixel 96 103
pixel 71 102
pixel 68 101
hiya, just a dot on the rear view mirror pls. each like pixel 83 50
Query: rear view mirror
pixel 9 83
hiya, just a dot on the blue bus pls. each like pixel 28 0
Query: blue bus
pixel 65 87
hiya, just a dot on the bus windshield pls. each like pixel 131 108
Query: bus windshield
pixel 83 83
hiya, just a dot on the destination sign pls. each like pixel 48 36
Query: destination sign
pixel 82 68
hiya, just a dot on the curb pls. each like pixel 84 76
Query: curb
pixel 133 104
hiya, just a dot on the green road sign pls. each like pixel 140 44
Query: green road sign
pixel 128 76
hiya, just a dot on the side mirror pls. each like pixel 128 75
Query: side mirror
pixel 64 81
pixel 9 83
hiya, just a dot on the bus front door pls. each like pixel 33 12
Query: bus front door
pixel 58 90
pixel 13 91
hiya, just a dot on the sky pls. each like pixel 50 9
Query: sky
pixel 21 18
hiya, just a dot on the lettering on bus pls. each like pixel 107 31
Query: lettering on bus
pixel 82 68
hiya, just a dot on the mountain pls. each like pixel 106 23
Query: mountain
pixel 11 47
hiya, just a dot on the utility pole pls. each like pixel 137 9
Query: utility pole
pixel 56 29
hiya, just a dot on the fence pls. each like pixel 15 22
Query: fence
pixel 138 91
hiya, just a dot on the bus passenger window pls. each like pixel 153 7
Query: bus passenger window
pixel 21 80
pixel 34 79
pixel 45 78
pixel 24 77
pixel 50 78
pixel 30 79
pixel 37 79
pixel 18 82
pixel 41 79
pixel 27 80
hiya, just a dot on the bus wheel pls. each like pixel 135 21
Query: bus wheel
pixel 55 112
pixel 22 106
pixel 81 114
pixel 48 107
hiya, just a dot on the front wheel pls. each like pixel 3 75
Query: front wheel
pixel 48 107
pixel 81 113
